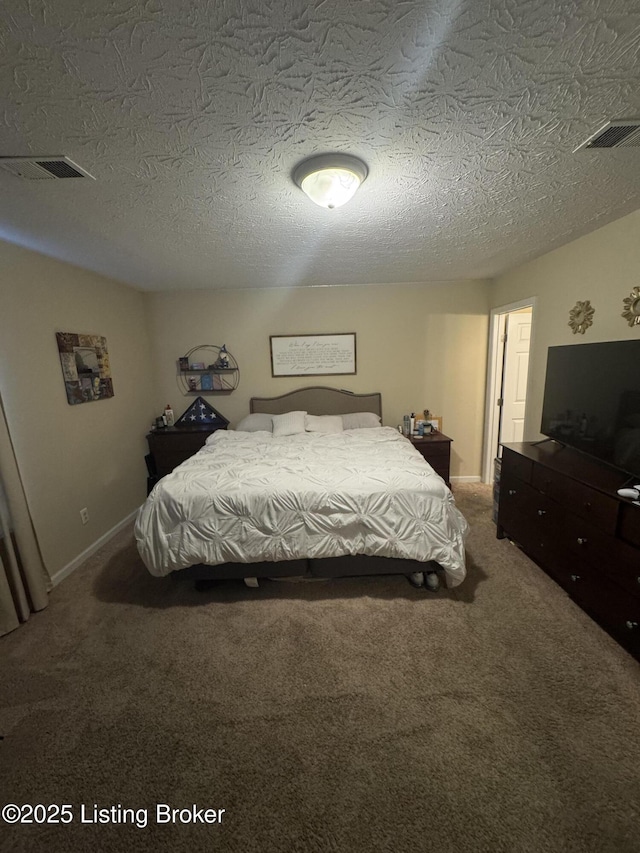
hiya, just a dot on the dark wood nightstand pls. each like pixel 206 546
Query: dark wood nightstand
pixel 436 449
pixel 170 446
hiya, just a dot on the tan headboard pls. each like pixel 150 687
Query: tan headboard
pixel 318 400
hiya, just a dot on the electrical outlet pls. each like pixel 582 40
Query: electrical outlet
pixel 84 515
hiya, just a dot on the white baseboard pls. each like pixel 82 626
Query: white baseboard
pixel 472 479
pixel 62 573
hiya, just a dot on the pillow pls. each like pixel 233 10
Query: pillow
pixel 360 420
pixel 290 423
pixel 323 423
pixel 255 423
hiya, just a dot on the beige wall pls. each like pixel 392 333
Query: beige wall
pixel 89 455
pixel 420 345
pixel 601 267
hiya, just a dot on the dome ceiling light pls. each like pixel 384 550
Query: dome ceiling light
pixel 330 180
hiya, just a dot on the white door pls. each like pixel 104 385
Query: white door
pixel 514 381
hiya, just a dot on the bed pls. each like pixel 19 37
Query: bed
pixel 341 495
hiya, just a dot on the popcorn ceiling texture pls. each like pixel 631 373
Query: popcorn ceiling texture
pixel 192 116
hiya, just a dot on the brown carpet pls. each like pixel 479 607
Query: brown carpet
pixel 347 715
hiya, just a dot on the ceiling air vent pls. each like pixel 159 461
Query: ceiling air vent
pixel 43 168
pixel 615 134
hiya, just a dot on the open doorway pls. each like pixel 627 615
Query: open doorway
pixel 507 378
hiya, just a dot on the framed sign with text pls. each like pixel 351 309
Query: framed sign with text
pixel 313 355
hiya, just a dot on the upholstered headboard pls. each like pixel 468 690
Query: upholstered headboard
pixel 318 400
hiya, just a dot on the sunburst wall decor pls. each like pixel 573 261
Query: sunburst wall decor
pixel 631 304
pixel 581 317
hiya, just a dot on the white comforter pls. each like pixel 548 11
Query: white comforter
pixel 251 497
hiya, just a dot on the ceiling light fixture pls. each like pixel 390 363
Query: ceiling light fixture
pixel 330 180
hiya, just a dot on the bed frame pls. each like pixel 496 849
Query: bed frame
pixel 316 400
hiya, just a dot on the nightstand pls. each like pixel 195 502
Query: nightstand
pixel 170 446
pixel 436 449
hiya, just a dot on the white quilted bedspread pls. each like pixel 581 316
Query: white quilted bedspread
pixel 251 497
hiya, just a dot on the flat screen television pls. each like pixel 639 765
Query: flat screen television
pixel 592 401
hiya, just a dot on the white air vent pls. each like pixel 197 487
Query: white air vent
pixel 43 168
pixel 615 134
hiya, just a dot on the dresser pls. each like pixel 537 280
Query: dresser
pixel 562 509
pixel 436 449
pixel 170 446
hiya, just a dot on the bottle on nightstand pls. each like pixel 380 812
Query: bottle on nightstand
pixel 168 414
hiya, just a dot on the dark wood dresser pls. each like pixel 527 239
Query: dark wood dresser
pixel 436 449
pixel 170 446
pixel 562 508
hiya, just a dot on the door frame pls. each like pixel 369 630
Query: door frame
pixel 494 378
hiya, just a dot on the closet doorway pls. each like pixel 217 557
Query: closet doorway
pixel 507 379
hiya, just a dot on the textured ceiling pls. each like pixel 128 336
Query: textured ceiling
pixel 192 115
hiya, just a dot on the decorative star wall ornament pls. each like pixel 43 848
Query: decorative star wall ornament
pixel 631 304
pixel 581 317
pixel 200 413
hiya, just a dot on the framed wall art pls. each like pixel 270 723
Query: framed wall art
pixel 85 367
pixel 313 355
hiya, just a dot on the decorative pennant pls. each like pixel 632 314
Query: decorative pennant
pixel 200 413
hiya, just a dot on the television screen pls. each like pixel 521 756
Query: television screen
pixel 592 401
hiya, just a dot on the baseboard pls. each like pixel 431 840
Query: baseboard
pixel 73 565
pixel 472 479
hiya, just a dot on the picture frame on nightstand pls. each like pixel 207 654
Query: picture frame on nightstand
pixel 436 423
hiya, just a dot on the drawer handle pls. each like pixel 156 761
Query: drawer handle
pixel 587 505
pixel 575 578
pixel 631 625
pixel 512 491
pixel 582 540
pixel 542 512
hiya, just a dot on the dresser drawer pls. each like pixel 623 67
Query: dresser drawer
pixel 513 464
pixel 617 612
pixel 442 471
pixel 440 465
pixel 593 506
pixel 437 452
pixel 573 575
pixel 609 558
pixel 515 501
pixel 523 513
pixel 607 603
pixel 434 452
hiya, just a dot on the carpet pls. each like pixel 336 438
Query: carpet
pixel 347 715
